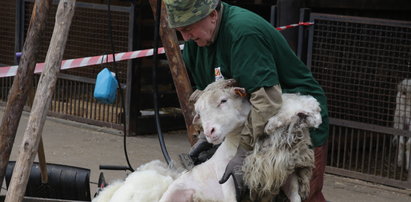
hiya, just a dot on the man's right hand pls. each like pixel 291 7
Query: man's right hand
pixel 201 151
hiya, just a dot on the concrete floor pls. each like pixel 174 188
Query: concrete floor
pixel 86 146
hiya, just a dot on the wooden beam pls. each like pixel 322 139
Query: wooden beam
pixel 42 100
pixel 177 68
pixel 22 82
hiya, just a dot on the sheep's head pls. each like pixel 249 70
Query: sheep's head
pixel 298 111
pixel 221 109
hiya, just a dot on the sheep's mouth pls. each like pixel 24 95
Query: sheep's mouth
pixel 217 140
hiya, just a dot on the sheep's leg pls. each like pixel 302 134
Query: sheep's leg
pixel 400 151
pixel 290 188
pixel 228 189
pixel 304 176
pixel 181 195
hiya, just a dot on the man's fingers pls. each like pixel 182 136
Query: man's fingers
pixel 225 177
pixel 239 186
pixel 198 148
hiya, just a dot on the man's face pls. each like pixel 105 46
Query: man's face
pixel 200 32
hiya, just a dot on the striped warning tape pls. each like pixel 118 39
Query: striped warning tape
pixel 294 25
pixel 87 61
pixel 101 59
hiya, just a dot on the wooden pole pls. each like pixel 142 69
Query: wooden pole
pixel 42 163
pixel 22 82
pixel 44 93
pixel 177 68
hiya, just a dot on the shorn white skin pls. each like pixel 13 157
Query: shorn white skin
pixel 221 114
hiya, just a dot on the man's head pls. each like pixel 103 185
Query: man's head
pixel 194 19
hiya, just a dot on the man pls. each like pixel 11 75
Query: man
pixel 224 41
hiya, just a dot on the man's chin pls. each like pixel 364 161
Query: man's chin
pixel 202 44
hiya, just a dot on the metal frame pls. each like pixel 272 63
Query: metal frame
pixel 80 80
pixel 370 129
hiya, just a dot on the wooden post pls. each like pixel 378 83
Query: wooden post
pixel 44 93
pixel 22 82
pixel 289 13
pixel 177 68
pixel 42 163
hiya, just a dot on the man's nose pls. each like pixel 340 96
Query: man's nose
pixel 186 36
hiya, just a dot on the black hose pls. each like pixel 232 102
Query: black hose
pixel 110 27
pixel 155 92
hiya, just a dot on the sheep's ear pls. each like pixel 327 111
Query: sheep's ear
pixel 196 119
pixel 230 83
pixel 240 91
pixel 195 95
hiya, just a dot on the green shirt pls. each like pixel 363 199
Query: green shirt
pixel 250 50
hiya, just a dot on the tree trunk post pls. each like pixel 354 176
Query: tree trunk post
pixel 42 100
pixel 22 82
pixel 177 68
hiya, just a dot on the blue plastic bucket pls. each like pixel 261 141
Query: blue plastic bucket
pixel 105 90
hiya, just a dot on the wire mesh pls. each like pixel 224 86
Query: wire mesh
pixel 360 63
pixel 88 36
pixel 7 32
pixel 73 98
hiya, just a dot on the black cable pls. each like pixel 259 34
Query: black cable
pixel 155 92
pixel 110 27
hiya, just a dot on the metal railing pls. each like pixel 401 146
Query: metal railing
pixel 73 98
pixel 360 62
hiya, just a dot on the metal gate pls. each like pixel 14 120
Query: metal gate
pixel 363 65
pixel 73 98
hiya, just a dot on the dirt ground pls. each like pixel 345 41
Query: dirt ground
pixel 86 146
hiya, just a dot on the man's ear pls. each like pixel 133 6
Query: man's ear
pixel 214 15
pixel 239 91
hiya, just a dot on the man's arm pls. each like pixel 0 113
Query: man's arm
pixel 265 102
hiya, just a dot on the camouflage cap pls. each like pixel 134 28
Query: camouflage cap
pixel 186 12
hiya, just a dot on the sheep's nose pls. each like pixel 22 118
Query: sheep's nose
pixel 210 132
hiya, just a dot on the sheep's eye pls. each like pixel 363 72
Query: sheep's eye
pixel 222 101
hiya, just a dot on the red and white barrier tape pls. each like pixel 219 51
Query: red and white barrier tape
pixel 87 61
pixel 294 25
pixel 96 60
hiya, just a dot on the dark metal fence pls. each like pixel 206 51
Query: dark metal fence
pixel 88 37
pixel 7 31
pixel 360 62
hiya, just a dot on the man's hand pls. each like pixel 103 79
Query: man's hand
pixel 201 151
pixel 234 168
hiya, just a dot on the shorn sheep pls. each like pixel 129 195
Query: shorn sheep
pixel 402 120
pixel 222 110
